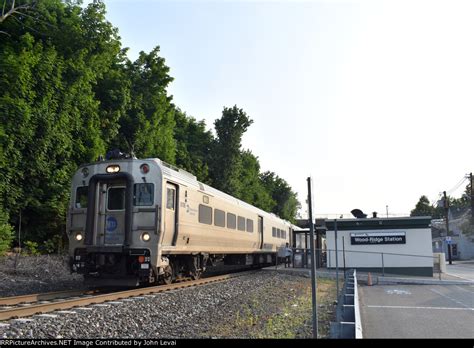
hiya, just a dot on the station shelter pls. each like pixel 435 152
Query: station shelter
pixel 385 245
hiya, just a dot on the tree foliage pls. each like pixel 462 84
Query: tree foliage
pixel 69 94
pixel 193 146
pixel 286 200
pixel 227 157
pixel 252 188
pixel 6 233
pixel 424 208
pixel 147 127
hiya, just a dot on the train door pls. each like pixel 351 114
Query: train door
pixel 171 216
pixel 110 214
pixel 114 216
pixel 100 213
pixel 260 230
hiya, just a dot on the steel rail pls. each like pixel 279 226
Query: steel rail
pixel 16 312
pixel 47 296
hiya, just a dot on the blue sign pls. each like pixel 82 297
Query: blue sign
pixel 448 240
pixel 111 224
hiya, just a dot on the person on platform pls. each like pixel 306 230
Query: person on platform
pixel 288 253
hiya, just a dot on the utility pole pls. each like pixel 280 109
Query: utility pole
pixel 446 209
pixel 313 262
pixel 472 201
pixel 337 256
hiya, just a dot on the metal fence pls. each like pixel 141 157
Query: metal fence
pixel 348 323
pixel 371 261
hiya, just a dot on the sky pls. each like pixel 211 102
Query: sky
pixel 374 100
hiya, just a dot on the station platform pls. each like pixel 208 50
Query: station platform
pixel 377 278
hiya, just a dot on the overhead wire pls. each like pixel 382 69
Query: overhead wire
pixel 457 185
pixel 450 191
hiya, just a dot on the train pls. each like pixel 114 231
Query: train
pixel 134 222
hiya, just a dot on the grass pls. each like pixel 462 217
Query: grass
pixel 287 314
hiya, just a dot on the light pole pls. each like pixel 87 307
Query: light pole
pixel 446 208
pixel 313 263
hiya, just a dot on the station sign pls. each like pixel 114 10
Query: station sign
pixel 377 238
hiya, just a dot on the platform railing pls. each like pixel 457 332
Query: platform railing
pixel 348 323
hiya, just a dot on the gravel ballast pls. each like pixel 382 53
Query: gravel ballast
pixel 262 304
pixel 22 275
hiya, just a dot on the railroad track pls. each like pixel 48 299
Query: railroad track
pixel 32 307
pixel 48 296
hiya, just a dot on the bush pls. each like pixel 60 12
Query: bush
pixel 32 247
pixel 6 233
pixel 53 245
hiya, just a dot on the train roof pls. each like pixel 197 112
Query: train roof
pixel 188 178
pixel 185 177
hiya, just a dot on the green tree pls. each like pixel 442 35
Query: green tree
pixel 193 145
pixel 147 127
pixel 252 190
pixel 13 9
pixel 423 208
pixel 6 233
pixel 50 113
pixel 287 204
pixel 462 202
pixel 69 93
pixel 227 158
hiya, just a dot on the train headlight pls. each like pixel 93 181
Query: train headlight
pixel 79 237
pixel 144 168
pixel 146 237
pixel 113 169
pixel 85 172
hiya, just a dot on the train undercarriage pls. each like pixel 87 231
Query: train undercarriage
pixel 132 267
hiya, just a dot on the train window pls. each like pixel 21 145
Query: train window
pixel 116 198
pixel 249 225
pixel 231 221
pixel 143 194
pixel 241 223
pixel 170 198
pixel 219 218
pixel 283 234
pixel 81 197
pixel 205 214
pixel 278 233
pixel 274 233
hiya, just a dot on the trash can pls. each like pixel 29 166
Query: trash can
pixel 298 259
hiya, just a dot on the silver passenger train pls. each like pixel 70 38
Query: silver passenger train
pixel 134 222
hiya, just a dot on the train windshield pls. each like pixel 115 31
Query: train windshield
pixel 143 194
pixel 116 198
pixel 81 196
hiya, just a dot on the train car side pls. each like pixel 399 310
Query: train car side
pixel 128 223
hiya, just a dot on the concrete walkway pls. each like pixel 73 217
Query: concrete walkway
pixel 417 311
pixel 378 279
pixel 421 307
pixel 463 270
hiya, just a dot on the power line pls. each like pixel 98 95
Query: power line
pixel 457 185
pixel 454 188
